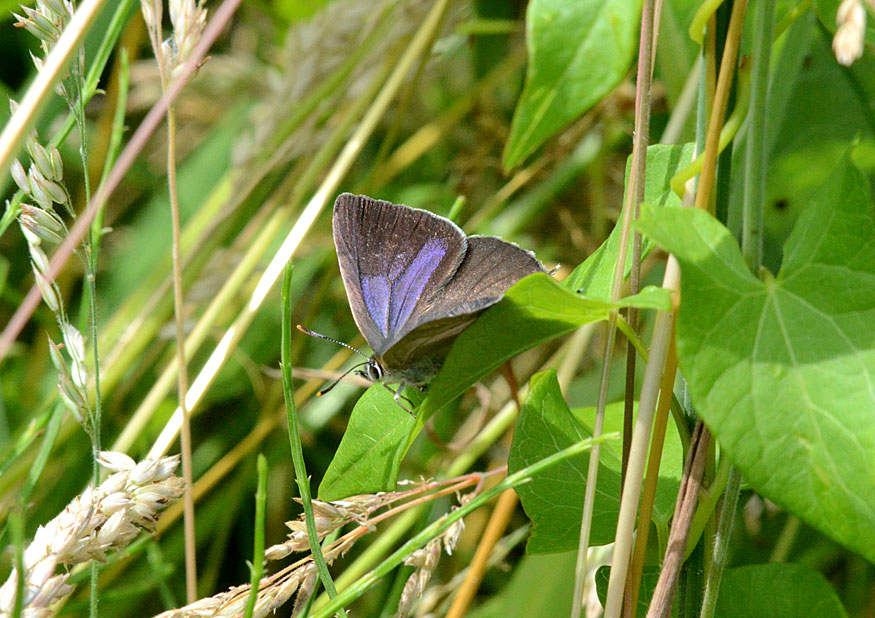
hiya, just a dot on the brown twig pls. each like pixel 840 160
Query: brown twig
pixel 633 579
pixel 688 496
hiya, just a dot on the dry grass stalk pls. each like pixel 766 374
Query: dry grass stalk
pixel 301 577
pixel 97 522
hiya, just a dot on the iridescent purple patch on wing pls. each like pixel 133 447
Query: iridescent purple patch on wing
pixel 376 291
pixel 390 300
pixel 407 289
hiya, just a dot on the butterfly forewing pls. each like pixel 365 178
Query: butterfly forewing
pixel 390 257
pixel 490 267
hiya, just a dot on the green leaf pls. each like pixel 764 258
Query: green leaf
pixel 535 310
pixel 553 500
pixel 370 452
pixel 777 589
pixel 555 576
pixel 595 275
pixel 578 52
pixel 782 370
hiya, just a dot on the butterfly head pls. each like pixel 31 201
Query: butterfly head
pixel 373 370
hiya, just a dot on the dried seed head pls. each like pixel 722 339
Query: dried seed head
pixel 115 461
pixel 152 14
pixel 188 19
pixel 451 536
pixel 46 289
pixel 847 44
pixel 409 594
pixel 20 176
pixel 39 258
pixel 29 223
pixel 93 524
pixel 308 583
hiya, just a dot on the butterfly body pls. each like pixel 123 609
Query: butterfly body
pixel 415 281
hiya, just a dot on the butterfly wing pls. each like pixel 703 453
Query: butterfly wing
pixel 490 266
pixel 390 257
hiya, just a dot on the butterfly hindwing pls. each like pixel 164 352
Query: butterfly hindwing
pixel 491 265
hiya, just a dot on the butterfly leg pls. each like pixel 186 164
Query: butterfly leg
pixel 397 396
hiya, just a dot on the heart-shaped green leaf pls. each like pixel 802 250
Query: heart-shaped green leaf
pixel 777 589
pixel 783 370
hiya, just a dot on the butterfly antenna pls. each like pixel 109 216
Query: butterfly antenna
pixel 341 377
pixel 307 331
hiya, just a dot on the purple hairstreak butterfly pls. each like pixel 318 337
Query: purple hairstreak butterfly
pixel 414 282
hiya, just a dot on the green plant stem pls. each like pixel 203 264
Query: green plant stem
pixel 16 515
pixel 785 539
pixel 721 543
pixel 77 106
pixel 755 159
pixel 631 203
pixel 440 526
pixel 16 532
pixel 301 477
pixel 257 566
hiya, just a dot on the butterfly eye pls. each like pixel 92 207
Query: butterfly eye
pixel 373 371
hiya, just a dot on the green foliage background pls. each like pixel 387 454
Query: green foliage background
pixel 539 151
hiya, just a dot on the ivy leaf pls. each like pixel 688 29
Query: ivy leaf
pixel 783 370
